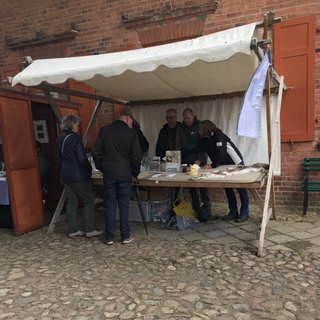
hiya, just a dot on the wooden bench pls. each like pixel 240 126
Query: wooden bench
pixel 309 164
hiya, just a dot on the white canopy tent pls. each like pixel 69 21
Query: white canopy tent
pixel 218 63
pixel 215 64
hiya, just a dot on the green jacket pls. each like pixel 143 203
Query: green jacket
pixel 188 138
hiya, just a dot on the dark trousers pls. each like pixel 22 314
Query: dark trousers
pixel 117 193
pixel 204 195
pixel 84 191
pixel 232 201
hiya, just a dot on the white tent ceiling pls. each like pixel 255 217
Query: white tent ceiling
pixel 218 63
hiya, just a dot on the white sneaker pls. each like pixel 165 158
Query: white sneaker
pixel 94 233
pixel 128 240
pixel 75 234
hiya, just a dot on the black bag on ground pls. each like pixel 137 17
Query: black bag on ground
pixel 202 214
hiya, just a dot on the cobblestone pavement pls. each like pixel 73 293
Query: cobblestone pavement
pixel 168 275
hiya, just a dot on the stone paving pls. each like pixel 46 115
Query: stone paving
pixel 210 272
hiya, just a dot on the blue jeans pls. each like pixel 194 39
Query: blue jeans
pixel 117 193
pixel 232 201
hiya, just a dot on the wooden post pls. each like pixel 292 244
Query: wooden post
pixel 56 216
pixel 91 122
pixel 273 150
pixel 53 105
pixel 268 111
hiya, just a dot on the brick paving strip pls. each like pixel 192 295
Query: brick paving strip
pixel 211 272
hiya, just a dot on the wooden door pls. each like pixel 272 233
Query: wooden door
pixel 18 142
pixel 294 58
pixel 86 111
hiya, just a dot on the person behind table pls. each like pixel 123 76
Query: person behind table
pixel 76 176
pixel 187 138
pixel 43 162
pixel 167 141
pixel 117 154
pixel 221 150
pixel 144 144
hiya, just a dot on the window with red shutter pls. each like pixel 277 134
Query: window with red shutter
pixel 294 58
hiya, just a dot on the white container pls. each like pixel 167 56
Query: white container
pixel 161 206
pixel 134 211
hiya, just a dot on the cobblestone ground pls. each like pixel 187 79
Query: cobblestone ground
pixel 53 277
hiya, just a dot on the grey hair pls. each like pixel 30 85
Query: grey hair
pixel 188 110
pixel 173 110
pixel 68 121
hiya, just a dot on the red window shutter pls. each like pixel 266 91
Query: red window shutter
pixel 294 58
pixel 10 71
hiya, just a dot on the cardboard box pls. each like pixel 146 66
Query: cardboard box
pixel 160 193
pixel 134 211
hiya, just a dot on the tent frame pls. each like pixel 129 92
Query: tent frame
pixel 272 141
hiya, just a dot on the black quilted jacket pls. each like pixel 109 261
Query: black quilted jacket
pixel 116 152
pixel 74 163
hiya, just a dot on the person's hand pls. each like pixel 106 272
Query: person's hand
pixel 134 179
pixel 207 166
pixel 197 162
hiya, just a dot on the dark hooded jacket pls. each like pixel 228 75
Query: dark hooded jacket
pixel 75 166
pixel 116 152
pixel 162 144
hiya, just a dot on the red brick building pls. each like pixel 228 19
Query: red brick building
pixel 54 29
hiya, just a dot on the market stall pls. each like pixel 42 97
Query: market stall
pixel 216 64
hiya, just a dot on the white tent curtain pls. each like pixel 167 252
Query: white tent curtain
pixel 224 113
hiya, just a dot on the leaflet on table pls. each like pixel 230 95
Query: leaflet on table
pixel 162 175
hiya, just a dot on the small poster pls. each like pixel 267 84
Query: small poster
pixel 173 160
pixel 41 131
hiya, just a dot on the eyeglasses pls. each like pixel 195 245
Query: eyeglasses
pixel 170 118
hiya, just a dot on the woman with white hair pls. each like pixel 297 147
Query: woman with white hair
pixel 76 176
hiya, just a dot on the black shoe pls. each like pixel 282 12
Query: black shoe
pixel 207 208
pixel 242 219
pixel 230 217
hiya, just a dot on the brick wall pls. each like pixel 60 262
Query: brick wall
pixel 100 27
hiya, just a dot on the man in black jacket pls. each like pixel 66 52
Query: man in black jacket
pixel 117 154
pixel 167 141
pixel 167 135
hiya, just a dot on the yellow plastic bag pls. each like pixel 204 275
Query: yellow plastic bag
pixel 184 209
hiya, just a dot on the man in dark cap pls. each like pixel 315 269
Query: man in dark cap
pixel 117 154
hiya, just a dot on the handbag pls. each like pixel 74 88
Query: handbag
pixel 184 209
pixel 64 140
pixel 180 223
pixel 202 214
